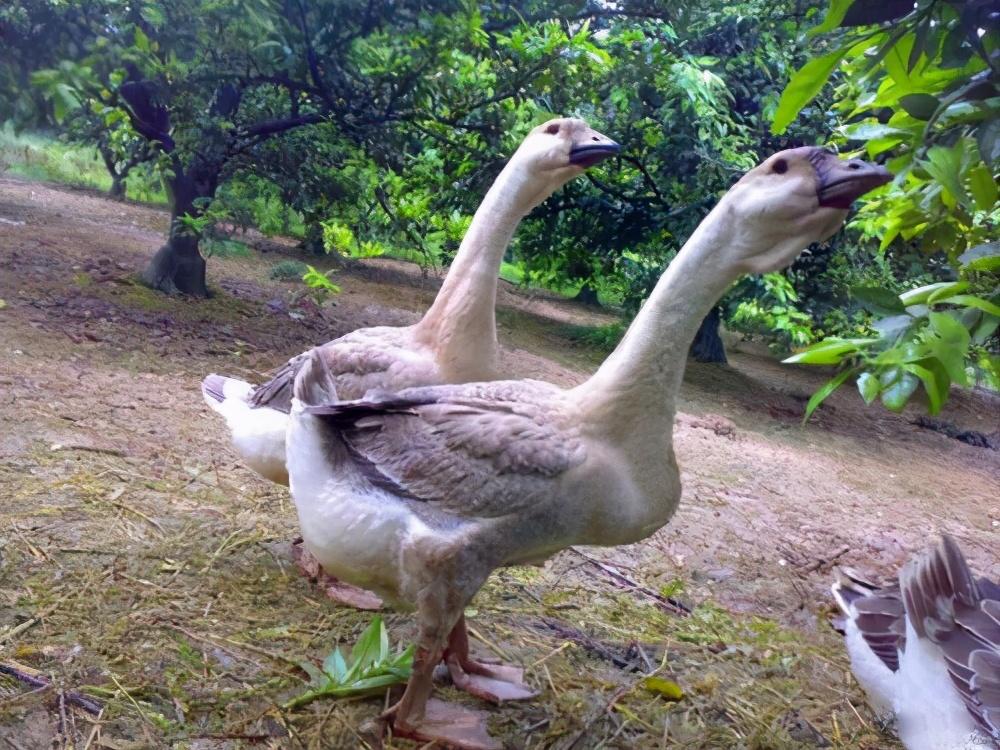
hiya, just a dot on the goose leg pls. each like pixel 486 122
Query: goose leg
pixel 419 717
pixel 491 682
pixel 339 591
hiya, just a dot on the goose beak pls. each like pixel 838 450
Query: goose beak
pixel 590 148
pixel 842 181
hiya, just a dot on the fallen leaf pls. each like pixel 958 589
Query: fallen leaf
pixel 668 689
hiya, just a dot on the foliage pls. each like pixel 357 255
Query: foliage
pixel 370 668
pixel 288 270
pixel 40 157
pixel 773 311
pixel 916 88
pixel 927 338
pixel 319 282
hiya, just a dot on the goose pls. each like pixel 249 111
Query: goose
pixel 455 341
pixel 420 494
pixel 926 649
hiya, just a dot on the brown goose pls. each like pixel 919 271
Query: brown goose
pixel 455 341
pixel 927 650
pixel 420 494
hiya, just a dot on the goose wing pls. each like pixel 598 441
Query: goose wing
pixel 359 361
pixel 877 611
pixel 962 616
pixel 478 450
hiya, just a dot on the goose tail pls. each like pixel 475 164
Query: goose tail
pixel 314 383
pixel 258 435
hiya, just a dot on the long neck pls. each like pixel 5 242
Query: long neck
pixel 641 378
pixel 461 322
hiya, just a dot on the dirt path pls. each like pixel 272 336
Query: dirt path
pixel 140 563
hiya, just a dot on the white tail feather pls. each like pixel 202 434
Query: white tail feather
pixel 258 435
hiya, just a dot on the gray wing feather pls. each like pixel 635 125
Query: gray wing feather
pixel 878 613
pixel 947 605
pixel 358 361
pixel 478 450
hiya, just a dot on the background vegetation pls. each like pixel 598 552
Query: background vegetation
pixel 367 128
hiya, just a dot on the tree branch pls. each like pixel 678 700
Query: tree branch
pixel 270 127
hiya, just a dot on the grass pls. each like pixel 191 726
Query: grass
pixel 39 157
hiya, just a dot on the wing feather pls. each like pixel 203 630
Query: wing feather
pixel 359 361
pixel 476 450
pixel 955 611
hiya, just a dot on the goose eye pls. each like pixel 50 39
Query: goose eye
pixel 552 129
pixel 780 166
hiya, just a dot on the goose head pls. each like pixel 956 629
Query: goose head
pixel 792 199
pixel 557 151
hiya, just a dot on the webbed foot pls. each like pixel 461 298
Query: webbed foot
pixel 447 724
pixel 491 682
pixel 339 591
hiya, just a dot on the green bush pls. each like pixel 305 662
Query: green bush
pixel 289 270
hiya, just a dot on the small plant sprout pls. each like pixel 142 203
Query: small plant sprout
pixel 372 668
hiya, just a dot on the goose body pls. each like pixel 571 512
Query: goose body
pixel 456 339
pixel 927 650
pixel 438 486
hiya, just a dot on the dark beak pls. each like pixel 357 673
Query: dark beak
pixel 592 148
pixel 841 181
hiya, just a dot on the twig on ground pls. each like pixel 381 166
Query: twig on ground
pixel 35 679
pixel 821 562
pixel 667 603
pixel 90 449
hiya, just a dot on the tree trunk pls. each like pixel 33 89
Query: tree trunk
pixel 178 266
pixel 117 191
pixel 587 295
pixel 707 345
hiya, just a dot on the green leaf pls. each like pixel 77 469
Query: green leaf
pixel 920 295
pixel 664 688
pixel 919 106
pixel 930 385
pixel 983 187
pixel 867 131
pixel 825 390
pixel 878 300
pixel 64 99
pixel 367 649
pixel 141 40
pixel 335 666
pixel 838 8
pixel 372 668
pixel 945 165
pixel 953 288
pixel 897 387
pixel 970 300
pixel 803 87
pixel 949 341
pixel 828 351
pixel 893 327
pixel 868 387
pixel 985 252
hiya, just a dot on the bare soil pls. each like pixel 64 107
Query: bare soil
pixel 142 565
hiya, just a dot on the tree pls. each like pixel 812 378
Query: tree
pixel 917 88
pixel 207 83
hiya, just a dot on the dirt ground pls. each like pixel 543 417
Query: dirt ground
pixel 145 573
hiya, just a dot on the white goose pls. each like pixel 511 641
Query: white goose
pixel 455 341
pixel 420 494
pixel 927 650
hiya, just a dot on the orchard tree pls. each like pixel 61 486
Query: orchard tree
pixel 917 88
pixel 207 82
